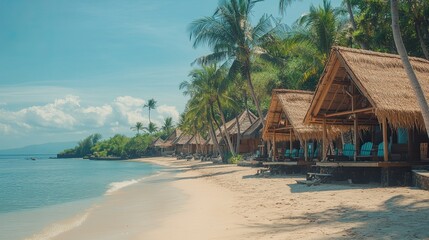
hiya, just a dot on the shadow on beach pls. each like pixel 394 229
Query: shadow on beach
pixel 388 223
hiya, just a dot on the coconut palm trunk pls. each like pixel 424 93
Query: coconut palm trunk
pixel 237 147
pixel 228 138
pixel 353 22
pixel 252 92
pixel 421 99
pixel 214 139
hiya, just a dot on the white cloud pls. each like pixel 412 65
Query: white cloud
pixel 168 111
pixel 70 115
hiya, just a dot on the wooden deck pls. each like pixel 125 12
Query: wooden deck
pixel 288 163
pixel 370 164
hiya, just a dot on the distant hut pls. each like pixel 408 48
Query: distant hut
pixel 245 122
pixel 364 88
pixel 181 144
pixel 168 147
pixel 284 123
pixel 157 146
pixel 196 144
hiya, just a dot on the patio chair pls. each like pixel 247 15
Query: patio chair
pixel 349 150
pixel 380 150
pixel 287 153
pixel 294 153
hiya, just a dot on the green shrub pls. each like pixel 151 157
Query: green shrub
pixel 236 159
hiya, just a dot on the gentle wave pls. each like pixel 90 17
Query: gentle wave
pixel 115 186
pixel 61 227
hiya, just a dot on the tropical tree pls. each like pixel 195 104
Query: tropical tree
pixel 151 128
pixel 138 127
pixel 323 23
pixel 151 104
pixel 208 88
pixel 168 125
pixel 421 99
pixel 232 38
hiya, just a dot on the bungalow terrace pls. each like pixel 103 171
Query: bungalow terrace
pixel 284 124
pixel 363 90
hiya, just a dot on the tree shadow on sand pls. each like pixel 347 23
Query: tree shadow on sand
pixel 400 218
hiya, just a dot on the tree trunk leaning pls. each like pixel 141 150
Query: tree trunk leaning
pixel 421 99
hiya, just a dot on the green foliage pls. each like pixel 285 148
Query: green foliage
pixel 114 146
pixel 137 146
pixel 83 148
pixel 235 159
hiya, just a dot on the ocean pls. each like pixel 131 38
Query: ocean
pixel 38 193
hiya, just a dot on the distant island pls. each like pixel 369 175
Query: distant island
pixel 45 148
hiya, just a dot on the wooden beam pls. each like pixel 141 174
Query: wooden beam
pixel 305 151
pixel 331 77
pixel 274 146
pixel 362 110
pixel 324 141
pixel 385 140
pixel 290 143
pixel 356 139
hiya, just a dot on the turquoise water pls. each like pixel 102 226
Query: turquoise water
pixel 36 190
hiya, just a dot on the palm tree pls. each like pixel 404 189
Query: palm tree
pixel 151 128
pixel 137 127
pixel 151 104
pixel 168 125
pixel 208 87
pixel 323 22
pixel 232 38
pixel 421 99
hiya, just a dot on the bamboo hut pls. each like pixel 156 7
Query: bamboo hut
pixel 361 88
pixel 284 121
pixel 247 123
pixel 168 146
pixel 196 144
pixel 182 145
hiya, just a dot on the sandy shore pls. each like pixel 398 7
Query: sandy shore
pixel 207 201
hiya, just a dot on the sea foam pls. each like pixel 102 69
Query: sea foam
pixel 115 186
pixel 61 227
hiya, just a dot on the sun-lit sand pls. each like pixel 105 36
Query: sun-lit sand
pixel 208 201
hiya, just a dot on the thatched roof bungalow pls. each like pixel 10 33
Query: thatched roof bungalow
pixel 365 88
pixel 285 119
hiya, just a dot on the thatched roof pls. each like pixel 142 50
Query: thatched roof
pixel 197 140
pixel 254 130
pixel 286 115
pixel 246 121
pixel 183 139
pixel 169 142
pixel 380 79
pixel 158 142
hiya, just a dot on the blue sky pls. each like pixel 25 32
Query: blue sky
pixel 72 68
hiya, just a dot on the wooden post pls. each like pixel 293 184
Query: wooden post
pixel 290 143
pixel 274 146
pixel 385 140
pixel 356 136
pixel 305 151
pixel 324 141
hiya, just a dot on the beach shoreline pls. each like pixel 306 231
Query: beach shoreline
pixel 201 200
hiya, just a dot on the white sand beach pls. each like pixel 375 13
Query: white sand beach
pixel 209 201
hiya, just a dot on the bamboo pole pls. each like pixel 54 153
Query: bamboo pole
pixel 305 150
pixel 324 143
pixel 385 143
pixel 356 133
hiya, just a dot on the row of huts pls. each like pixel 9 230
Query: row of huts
pixel 245 133
pixel 363 114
